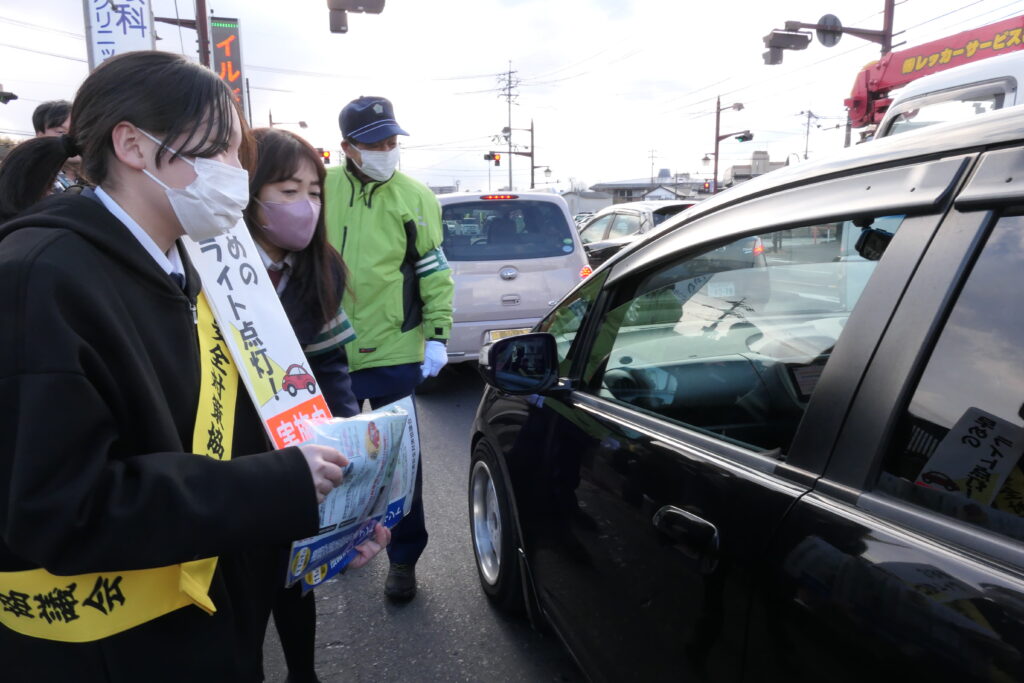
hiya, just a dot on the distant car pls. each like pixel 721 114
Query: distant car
pixel 714 462
pixel 613 227
pixel 513 256
pixel 297 378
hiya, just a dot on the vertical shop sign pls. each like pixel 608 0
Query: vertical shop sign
pixel 227 56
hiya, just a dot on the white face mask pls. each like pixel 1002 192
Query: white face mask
pixel 378 165
pixel 212 204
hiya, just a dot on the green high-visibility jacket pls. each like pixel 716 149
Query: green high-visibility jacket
pixel 399 287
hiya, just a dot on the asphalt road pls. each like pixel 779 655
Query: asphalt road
pixel 449 632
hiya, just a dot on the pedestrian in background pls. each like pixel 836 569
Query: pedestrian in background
pixel 387 228
pixel 53 119
pixel 285 217
pixel 127 539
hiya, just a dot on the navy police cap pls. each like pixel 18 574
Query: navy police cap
pixel 369 120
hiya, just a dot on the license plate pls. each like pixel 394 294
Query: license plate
pixel 494 335
pixel 720 290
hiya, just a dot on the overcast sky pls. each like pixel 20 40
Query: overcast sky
pixel 604 81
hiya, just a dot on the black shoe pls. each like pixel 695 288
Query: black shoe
pixel 401 582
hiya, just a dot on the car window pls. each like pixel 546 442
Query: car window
pixel 565 320
pixel 957 447
pixel 497 230
pixel 948 107
pixel 625 224
pixel 661 215
pixel 594 230
pixel 732 341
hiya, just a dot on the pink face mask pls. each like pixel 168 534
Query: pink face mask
pixel 290 225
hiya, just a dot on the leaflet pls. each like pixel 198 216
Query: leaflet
pixel 383 452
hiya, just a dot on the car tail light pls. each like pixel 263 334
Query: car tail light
pixel 500 196
pixel 585 272
pixel 758 246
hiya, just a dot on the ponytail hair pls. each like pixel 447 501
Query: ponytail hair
pixel 28 172
pixel 160 92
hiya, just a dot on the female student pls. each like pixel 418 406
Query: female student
pixel 133 544
pixel 286 219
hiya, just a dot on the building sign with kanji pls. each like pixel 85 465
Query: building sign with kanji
pixel 256 329
pixel 227 56
pixel 115 27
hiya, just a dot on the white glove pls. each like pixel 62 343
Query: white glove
pixel 435 357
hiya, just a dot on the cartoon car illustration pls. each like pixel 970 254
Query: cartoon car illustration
pixel 939 479
pixel 297 377
pixel 372 440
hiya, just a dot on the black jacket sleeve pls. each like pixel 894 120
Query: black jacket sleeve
pixel 93 473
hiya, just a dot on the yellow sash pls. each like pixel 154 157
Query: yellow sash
pixel 92 606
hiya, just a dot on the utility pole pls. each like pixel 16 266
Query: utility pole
pixel 508 84
pixel 532 157
pixel 651 154
pixel 807 134
pixel 198 25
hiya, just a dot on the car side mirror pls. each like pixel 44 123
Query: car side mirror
pixel 523 364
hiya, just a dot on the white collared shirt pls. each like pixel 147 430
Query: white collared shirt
pixel 170 261
pixel 270 264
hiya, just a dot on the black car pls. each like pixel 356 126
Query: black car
pixel 802 470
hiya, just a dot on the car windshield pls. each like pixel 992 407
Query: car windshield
pixel 495 230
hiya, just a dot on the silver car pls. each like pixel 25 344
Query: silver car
pixel 513 256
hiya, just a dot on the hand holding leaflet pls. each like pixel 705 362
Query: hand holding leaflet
pixel 325 466
pixel 375 492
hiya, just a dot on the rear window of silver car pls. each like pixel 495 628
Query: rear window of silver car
pixel 494 230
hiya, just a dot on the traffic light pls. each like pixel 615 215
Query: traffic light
pixel 493 156
pixel 777 41
pixel 497 160
pixel 324 154
pixel 745 136
pixel 707 186
pixel 338 19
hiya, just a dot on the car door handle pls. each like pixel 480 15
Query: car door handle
pixel 700 534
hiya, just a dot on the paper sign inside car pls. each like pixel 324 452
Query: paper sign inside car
pixel 975 457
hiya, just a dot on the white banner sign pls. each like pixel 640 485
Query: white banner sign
pixel 257 331
pixel 112 28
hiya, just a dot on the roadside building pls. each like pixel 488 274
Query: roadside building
pixel 760 163
pixel 585 201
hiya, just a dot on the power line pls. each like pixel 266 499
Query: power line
pixel 41 27
pixel 42 52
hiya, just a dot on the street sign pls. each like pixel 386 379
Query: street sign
pixel 830 30
pixel 227 56
pixel 111 29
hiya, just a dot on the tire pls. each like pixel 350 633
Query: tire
pixel 292 390
pixel 493 531
pixel 311 388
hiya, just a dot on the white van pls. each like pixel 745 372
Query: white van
pixel 955 95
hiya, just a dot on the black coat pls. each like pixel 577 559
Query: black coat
pixel 99 384
pixel 331 367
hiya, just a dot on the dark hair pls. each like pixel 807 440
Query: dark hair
pixel 161 93
pixel 50 114
pixel 318 270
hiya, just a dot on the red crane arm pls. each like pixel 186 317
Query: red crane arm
pixel 870 96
